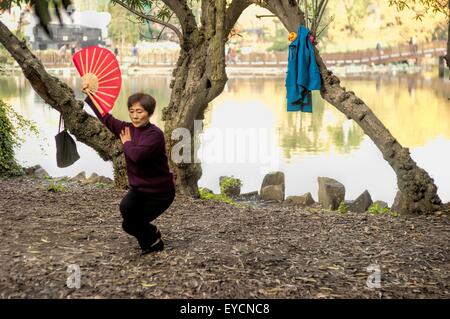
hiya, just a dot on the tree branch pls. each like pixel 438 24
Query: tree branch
pixel 287 11
pixel 418 192
pixel 233 13
pixel 151 18
pixel 59 96
pixel 184 15
pixel 447 57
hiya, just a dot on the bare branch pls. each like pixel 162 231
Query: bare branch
pixel 233 13
pixel 287 11
pixel 151 18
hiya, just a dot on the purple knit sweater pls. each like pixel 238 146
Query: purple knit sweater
pixel 147 164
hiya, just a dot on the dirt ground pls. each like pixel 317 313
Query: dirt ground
pixel 213 250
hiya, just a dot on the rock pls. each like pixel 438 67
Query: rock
pixel 78 178
pixel 304 200
pixel 31 169
pixel 91 180
pixel 274 178
pixel 381 204
pixel 272 187
pixel 95 178
pixel 61 179
pixel 41 173
pixel 104 180
pixel 331 192
pixel 249 196
pixel 360 204
pixel 272 192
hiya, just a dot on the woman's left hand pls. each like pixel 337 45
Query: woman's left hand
pixel 125 135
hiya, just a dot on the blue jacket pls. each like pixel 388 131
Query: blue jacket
pixel 302 74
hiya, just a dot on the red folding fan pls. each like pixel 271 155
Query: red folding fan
pixel 99 68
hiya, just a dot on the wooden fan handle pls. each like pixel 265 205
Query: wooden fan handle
pixel 95 102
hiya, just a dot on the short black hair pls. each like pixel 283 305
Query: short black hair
pixel 146 100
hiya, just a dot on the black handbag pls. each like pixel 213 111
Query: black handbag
pixel 66 148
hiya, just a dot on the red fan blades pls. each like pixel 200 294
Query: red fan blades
pixel 100 70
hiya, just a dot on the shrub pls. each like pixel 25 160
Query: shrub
pixel 230 186
pixel 102 185
pixel 343 208
pixel 10 124
pixel 8 164
pixel 55 187
pixel 376 209
pixel 207 195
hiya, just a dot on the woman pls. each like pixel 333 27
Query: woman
pixel 152 187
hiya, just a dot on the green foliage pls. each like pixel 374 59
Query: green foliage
pixel 154 8
pixel 227 184
pixel 315 14
pixel 376 209
pixel 10 124
pixel 343 208
pixel 55 187
pixel 364 23
pixel 279 40
pixel 102 185
pixel 395 214
pixel 123 28
pixel 422 7
pixel 206 195
pixel 129 22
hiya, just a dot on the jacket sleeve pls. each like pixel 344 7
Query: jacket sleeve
pixel 314 82
pixel 145 151
pixel 302 60
pixel 113 124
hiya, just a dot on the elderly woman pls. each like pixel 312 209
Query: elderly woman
pixel 152 187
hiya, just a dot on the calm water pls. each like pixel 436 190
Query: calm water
pixel 248 133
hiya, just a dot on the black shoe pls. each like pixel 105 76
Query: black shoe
pixel 158 245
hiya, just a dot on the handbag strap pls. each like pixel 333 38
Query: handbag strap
pixel 60 121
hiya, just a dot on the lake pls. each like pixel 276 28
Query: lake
pixel 248 133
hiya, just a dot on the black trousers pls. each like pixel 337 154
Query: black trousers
pixel 138 210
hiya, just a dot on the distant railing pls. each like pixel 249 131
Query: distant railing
pixel 387 55
pixel 270 59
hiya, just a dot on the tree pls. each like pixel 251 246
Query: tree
pixel 200 76
pixel 122 30
pixel 426 7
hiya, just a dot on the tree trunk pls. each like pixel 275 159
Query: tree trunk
pixel 418 193
pixel 198 78
pixel 447 57
pixel 59 96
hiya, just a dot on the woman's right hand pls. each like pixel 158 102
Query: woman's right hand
pixel 85 87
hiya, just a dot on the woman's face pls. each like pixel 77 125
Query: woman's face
pixel 138 115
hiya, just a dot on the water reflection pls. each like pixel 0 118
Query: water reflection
pixel 249 133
